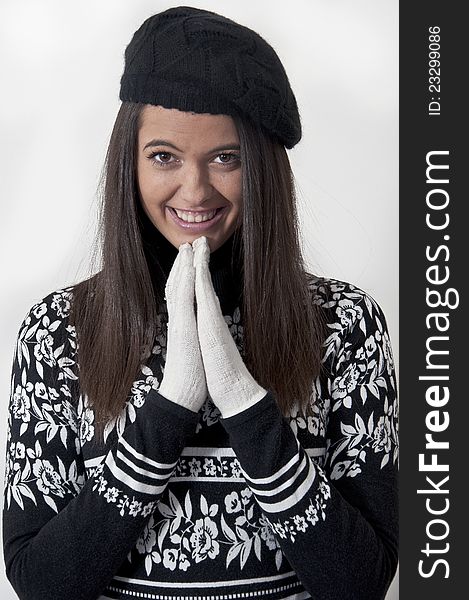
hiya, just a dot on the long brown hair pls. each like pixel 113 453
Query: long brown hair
pixel 115 311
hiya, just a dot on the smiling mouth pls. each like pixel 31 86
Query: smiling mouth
pixel 196 216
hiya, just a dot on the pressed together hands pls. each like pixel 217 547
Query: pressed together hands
pixel 201 354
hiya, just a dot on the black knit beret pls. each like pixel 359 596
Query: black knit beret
pixel 196 60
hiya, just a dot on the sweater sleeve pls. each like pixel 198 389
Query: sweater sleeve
pixel 336 521
pixel 64 535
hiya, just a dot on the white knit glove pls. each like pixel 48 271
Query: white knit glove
pixel 230 385
pixel 184 378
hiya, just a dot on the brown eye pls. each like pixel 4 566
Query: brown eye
pixel 228 158
pixel 161 158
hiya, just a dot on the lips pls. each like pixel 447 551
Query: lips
pixel 195 215
pixel 196 212
pixel 203 225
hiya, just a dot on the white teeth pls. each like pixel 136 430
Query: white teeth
pixel 191 218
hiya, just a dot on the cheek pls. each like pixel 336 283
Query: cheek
pixel 151 191
pixel 142 179
pixel 232 189
pixel 238 199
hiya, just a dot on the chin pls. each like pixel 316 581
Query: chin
pixel 191 238
pixel 214 241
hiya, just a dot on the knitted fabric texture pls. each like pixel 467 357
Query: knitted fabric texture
pixel 199 61
pixel 189 506
pixel 184 377
pixel 230 385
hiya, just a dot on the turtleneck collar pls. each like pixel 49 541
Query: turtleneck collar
pixel 225 264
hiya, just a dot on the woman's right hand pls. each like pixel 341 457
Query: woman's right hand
pixel 184 376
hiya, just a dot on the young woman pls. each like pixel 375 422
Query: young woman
pixel 202 418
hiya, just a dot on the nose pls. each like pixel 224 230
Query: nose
pixel 195 187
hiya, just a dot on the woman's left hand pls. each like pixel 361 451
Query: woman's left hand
pixel 230 385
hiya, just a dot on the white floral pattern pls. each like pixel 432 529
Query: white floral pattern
pixel 313 513
pixel 355 416
pixel 208 467
pixel 358 350
pixel 126 504
pixel 181 534
pixel 47 411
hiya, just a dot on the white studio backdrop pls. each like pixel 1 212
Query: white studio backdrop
pixel 61 63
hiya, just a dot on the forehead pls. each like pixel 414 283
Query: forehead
pixel 186 127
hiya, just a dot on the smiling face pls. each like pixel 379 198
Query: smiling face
pixel 189 166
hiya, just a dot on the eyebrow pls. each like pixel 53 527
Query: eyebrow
pixel 170 145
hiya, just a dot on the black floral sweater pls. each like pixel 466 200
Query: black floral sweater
pixel 183 506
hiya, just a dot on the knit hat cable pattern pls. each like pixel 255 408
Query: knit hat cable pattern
pixel 196 60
